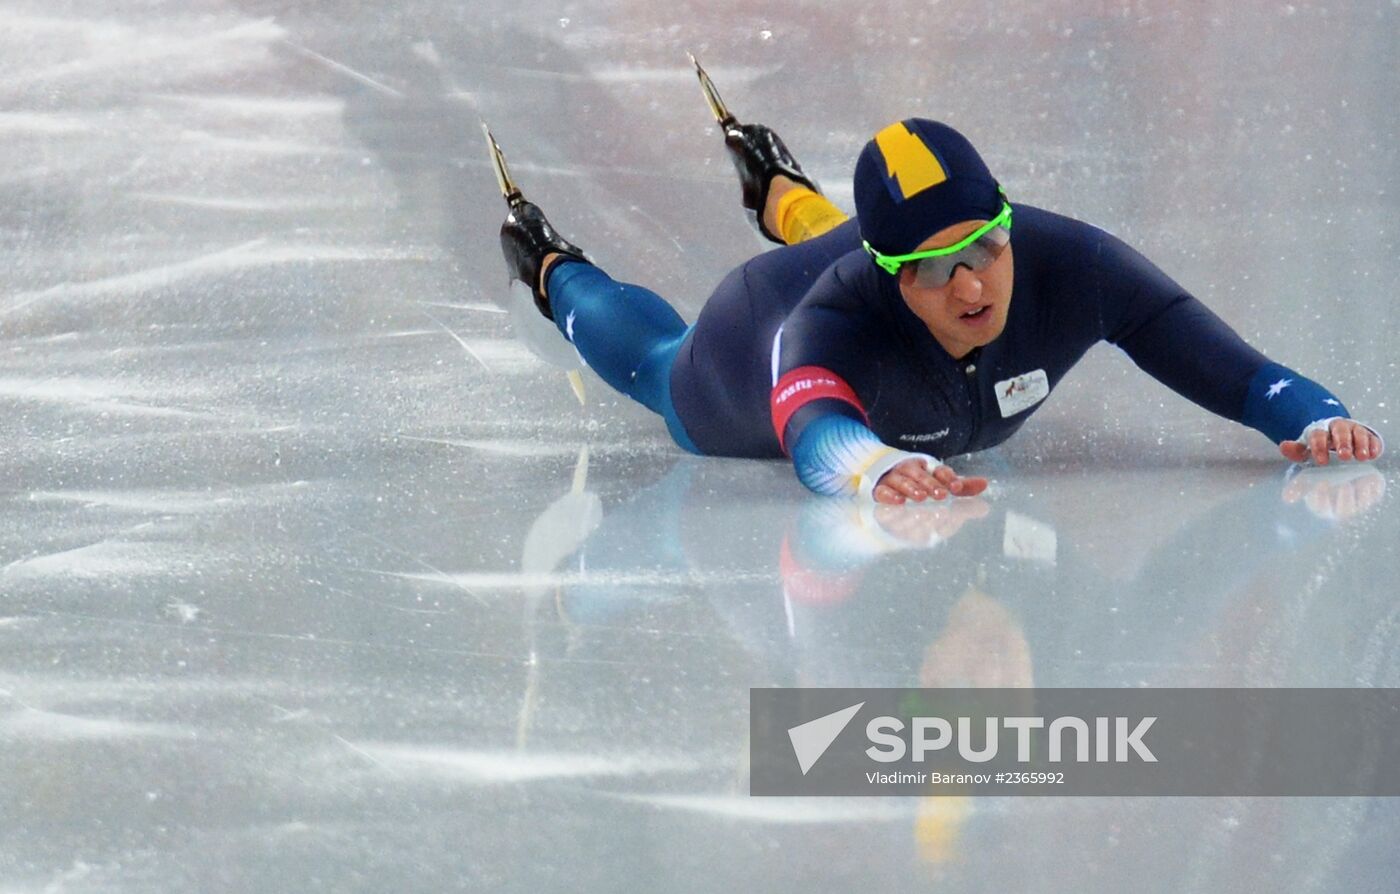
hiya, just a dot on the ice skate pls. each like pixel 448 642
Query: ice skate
pixel 758 154
pixel 527 237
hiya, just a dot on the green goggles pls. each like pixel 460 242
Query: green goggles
pixel 935 267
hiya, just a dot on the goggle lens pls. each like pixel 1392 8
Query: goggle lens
pixel 936 265
pixel 934 273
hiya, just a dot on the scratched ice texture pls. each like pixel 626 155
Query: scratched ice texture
pixel 314 578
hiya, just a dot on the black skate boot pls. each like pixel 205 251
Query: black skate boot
pixel 758 154
pixel 527 236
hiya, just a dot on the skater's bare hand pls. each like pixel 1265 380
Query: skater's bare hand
pixel 1347 437
pixel 911 480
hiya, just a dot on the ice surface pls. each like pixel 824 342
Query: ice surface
pixel 313 577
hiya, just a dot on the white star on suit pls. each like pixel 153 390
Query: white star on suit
pixel 1277 388
pixel 1331 402
pixel 569 326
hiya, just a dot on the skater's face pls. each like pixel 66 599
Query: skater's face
pixel 970 310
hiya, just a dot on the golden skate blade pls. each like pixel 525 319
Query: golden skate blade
pixel 509 191
pixel 717 106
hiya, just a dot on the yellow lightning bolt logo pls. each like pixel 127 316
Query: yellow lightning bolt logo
pixel 908 161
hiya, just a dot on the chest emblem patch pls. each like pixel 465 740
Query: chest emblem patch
pixel 1022 392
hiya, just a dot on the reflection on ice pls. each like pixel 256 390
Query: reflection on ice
pixel 505 767
pixel 782 811
pixel 22 722
pixel 107 560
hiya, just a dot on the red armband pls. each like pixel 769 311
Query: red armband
pixel 803 385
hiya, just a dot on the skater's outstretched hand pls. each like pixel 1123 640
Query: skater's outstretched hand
pixel 1348 438
pixel 911 480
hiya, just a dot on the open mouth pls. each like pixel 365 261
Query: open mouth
pixel 976 313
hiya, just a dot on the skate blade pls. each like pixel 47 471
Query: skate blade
pixel 509 191
pixel 712 97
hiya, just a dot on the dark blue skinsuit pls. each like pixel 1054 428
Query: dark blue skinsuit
pixel 813 343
